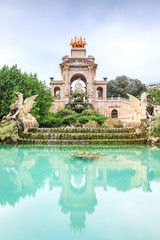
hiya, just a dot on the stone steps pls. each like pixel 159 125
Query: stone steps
pixel 82 130
pixel 92 141
pixel 83 136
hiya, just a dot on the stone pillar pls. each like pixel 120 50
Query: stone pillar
pixel 78 52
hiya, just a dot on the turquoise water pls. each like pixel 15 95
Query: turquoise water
pixel 47 194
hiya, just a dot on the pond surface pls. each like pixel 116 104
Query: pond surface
pixel 47 194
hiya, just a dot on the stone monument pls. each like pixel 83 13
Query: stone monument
pixel 20 111
pixel 78 72
pixel 77 67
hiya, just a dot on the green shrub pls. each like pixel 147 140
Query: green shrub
pixel 100 119
pixel 83 119
pixel 45 122
pixel 154 127
pixel 56 122
pixel 70 120
pixel 63 113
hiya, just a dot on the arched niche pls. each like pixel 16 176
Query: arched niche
pixel 114 113
pixel 99 93
pixel 78 81
pixel 57 93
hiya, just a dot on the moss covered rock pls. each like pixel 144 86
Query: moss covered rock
pixel 9 131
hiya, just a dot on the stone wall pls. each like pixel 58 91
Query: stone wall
pixel 57 105
pixel 122 106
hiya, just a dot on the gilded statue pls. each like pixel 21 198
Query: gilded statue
pixel 78 43
pixel 72 42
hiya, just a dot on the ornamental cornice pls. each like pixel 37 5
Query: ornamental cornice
pixel 78 62
pixel 56 82
pixel 100 83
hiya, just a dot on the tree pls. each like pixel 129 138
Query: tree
pixel 155 95
pixel 123 85
pixel 13 80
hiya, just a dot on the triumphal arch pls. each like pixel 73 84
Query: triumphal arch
pixel 78 73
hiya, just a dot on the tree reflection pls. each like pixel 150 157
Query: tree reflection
pixel 24 170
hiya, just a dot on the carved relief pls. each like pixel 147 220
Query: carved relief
pixel 78 62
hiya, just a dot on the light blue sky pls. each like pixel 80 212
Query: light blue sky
pixel 123 35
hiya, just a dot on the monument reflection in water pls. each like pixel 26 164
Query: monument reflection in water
pixel 24 170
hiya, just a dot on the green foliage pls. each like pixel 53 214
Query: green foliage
pixel 123 85
pixel 45 122
pixel 13 80
pixel 90 112
pixel 78 95
pixel 155 95
pixel 77 103
pixel 40 135
pixel 72 114
pixel 9 131
pixel 154 128
pixel 83 119
pixel 70 120
pixel 63 113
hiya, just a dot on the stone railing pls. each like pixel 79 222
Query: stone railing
pixel 118 99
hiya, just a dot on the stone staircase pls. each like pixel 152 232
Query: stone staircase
pixel 83 136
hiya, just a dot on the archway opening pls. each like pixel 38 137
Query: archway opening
pixel 78 84
pixel 114 113
pixel 99 93
pixel 57 93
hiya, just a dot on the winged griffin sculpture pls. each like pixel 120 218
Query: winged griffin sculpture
pixel 143 109
pixel 20 111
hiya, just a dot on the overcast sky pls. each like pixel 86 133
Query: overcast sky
pixel 122 35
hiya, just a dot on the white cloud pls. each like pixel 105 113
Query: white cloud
pixel 121 49
pixel 122 36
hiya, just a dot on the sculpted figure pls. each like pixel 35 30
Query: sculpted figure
pixel 72 43
pixel 20 111
pixel 75 41
pixel 78 43
pixel 143 109
pixel 84 42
